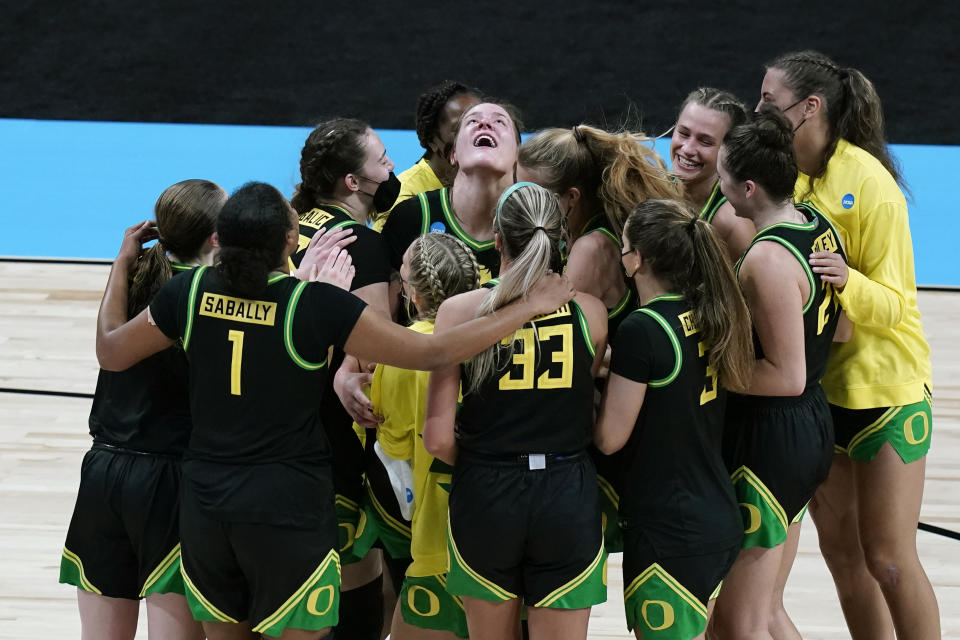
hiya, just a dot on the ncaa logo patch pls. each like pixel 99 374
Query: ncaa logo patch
pixel 439 227
pixel 847 201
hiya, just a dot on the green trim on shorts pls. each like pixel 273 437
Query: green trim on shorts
pixel 315 605
pixel 765 522
pixel 799 517
pixel 464 581
pixel 716 592
pixel 202 609
pixel 610 516
pixel 426 604
pixel 71 572
pixel 355 531
pixel 394 534
pixel 898 427
pixel 587 589
pixel 661 607
pixel 165 578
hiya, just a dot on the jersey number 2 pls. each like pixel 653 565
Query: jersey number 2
pixel 236 337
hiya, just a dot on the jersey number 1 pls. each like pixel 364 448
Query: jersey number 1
pixel 236 337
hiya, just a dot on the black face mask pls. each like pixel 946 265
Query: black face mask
pixel 386 194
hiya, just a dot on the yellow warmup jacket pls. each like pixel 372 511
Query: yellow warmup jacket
pixel 887 363
pixel 400 396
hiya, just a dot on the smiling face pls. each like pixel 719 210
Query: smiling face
pixel 487 139
pixel 696 141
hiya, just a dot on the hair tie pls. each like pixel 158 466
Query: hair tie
pixel 844 74
pixel 692 225
pixel 578 134
pixel 535 229
pixel 508 193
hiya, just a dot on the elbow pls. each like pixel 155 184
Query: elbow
pixel 605 444
pixel 108 358
pixel 795 385
pixel 442 447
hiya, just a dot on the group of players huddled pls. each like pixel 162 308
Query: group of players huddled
pixel 734 339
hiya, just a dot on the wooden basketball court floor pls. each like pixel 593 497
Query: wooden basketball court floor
pixel 47 316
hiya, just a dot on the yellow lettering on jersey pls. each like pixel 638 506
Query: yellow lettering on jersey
pixel 826 241
pixel 485 274
pixel 755 519
pixel 314 596
pixel 316 219
pixel 908 431
pixel 215 305
pixel 433 607
pixel 686 321
pixel 666 611
pixel 559 313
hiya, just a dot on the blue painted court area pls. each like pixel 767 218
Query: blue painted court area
pixel 69 189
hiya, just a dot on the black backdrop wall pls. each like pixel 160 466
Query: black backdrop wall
pixel 561 62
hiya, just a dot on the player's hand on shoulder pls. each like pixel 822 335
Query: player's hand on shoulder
pixel 550 292
pixel 322 245
pixel 337 270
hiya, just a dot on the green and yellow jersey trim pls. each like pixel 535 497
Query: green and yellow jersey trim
pixel 678 355
pixel 192 305
pixel 454 224
pixel 584 328
pixel 392 522
pixel 288 332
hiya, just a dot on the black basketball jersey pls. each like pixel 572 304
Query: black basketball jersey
pixel 628 301
pixel 675 485
pixel 368 251
pixel 431 212
pixel 371 261
pixel 821 313
pixel 146 407
pixel 713 203
pixel 256 366
pixel 540 398
pixel 257 452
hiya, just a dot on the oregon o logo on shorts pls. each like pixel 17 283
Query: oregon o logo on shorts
pixel 438 227
pixel 666 612
pixel 351 535
pixel 908 431
pixel 847 201
pixel 315 595
pixel 755 519
pixel 431 598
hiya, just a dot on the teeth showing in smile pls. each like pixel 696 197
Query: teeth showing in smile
pixel 484 140
pixel 688 164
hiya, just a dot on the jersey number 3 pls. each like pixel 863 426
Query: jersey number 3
pixel 526 360
pixel 236 337
pixel 710 388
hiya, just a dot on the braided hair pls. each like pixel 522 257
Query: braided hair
pixel 430 106
pixel 850 102
pixel 441 266
pixel 332 150
pixel 718 100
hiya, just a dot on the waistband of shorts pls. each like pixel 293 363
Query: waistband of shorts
pixel 104 446
pixel 812 393
pixel 517 459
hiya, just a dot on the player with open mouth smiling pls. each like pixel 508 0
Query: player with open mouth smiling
pixel 485 154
